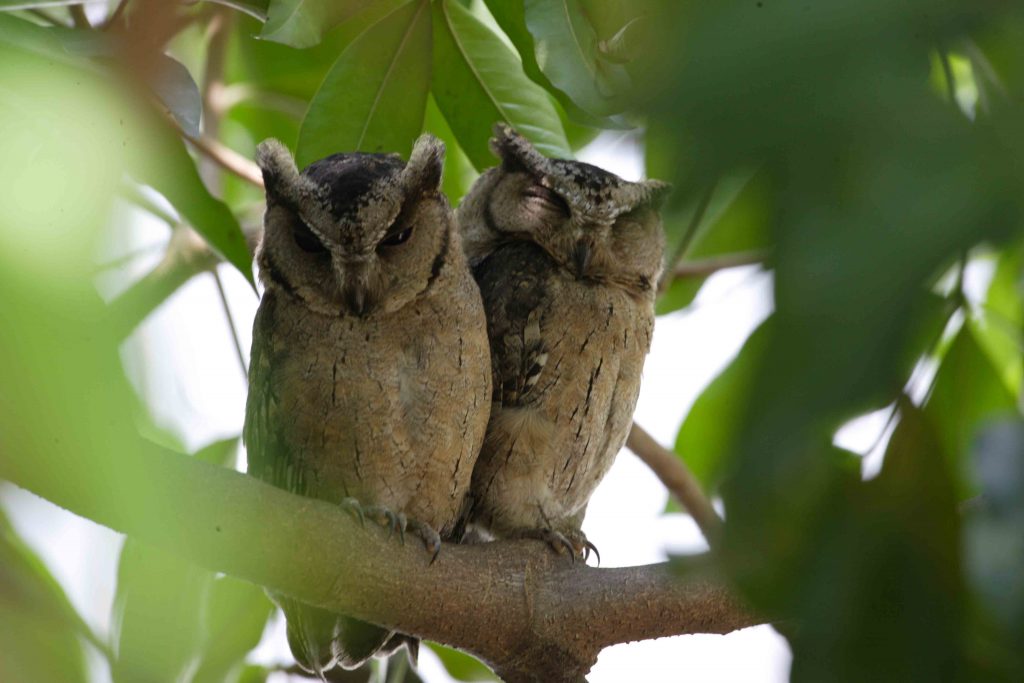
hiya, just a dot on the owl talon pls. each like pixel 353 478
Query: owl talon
pixel 431 539
pixel 352 506
pixel 401 523
pixel 589 547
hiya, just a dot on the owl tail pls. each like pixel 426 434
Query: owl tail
pixel 320 640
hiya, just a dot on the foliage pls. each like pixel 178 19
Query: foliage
pixel 868 153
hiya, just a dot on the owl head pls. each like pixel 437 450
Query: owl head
pixel 593 223
pixel 354 234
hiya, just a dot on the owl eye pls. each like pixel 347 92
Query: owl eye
pixel 548 197
pixel 396 238
pixel 306 240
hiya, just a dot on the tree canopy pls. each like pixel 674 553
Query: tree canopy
pixel 868 154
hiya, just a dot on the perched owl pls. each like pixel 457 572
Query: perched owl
pixel 370 378
pixel 567 257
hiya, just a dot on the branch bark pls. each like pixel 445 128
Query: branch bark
pixel 530 614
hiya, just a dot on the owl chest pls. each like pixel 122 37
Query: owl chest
pixel 358 399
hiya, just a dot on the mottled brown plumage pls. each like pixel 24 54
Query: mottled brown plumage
pixel 370 372
pixel 567 257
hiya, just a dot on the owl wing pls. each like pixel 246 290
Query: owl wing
pixel 269 458
pixel 514 282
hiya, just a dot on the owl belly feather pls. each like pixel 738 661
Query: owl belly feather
pixel 553 436
pixel 389 423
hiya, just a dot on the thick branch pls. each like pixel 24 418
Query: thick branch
pixel 678 480
pixel 528 612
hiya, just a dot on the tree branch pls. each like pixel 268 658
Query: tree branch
pixel 678 480
pixel 713 264
pixel 529 613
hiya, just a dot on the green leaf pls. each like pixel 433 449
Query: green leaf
pixel 157 614
pixel 968 391
pixel 39 629
pixel 221 452
pixel 157 157
pixel 302 23
pixel 479 82
pixel 374 96
pixel 707 432
pixel 510 15
pixel 460 666
pixel 234 618
pixel 174 85
pixel 567 52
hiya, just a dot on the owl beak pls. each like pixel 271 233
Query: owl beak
pixel 355 299
pixel 581 254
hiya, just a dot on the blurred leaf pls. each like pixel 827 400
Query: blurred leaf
pixel 479 82
pixel 253 673
pixel 884 573
pixel 967 392
pixel 39 629
pixel 706 435
pixel 994 549
pixel 302 23
pixel 234 619
pixel 459 173
pixel 460 666
pixel 566 50
pixel 999 324
pixel 625 45
pixel 374 96
pixel 174 86
pixel 157 614
pixel 257 9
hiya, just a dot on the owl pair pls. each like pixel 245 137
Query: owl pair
pixel 430 369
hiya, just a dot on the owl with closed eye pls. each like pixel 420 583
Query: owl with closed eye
pixel 567 257
pixel 370 379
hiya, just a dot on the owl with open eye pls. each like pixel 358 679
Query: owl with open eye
pixel 370 377
pixel 567 257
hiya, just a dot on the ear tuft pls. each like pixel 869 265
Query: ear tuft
pixel 426 164
pixel 516 152
pixel 657 192
pixel 278 166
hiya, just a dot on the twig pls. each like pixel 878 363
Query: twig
pixel 231 322
pixel 687 238
pixel 712 265
pixel 225 157
pixel 79 17
pixel 678 480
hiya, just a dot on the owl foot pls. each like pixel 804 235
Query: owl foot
pixel 352 507
pixel 574 542
pixel 431 539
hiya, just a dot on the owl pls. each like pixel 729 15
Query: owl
pixel 370 378
pixel 567 257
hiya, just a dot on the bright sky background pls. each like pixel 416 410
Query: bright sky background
pixel 195 387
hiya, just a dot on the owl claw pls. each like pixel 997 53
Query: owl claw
pixel 431 539
pixel 574 543
pixel 589 547
pixel 352 506
pixel 401 523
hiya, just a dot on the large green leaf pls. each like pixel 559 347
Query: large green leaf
pixel 479 82
pixel 302 23
pixel 373 98
pixel 566 51
pixel 968 391
pixel 707 432
pixel 460 666
pixel 459 173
